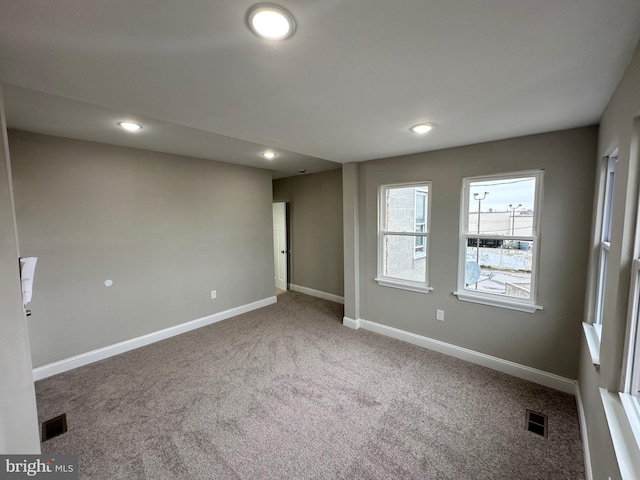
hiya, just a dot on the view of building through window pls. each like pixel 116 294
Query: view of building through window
pixel 405 232
pixel 420 222
pixel 499 236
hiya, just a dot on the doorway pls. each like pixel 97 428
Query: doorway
pixel 280 252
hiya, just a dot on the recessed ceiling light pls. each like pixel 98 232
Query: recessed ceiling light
pixel 271 21
pixel 421 128
pixel 130 126
pixel 269 155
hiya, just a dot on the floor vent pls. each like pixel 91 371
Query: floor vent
pixel 54 427
pixel 537 423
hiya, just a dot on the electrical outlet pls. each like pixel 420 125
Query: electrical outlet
pixel 214 294
pixel 440 315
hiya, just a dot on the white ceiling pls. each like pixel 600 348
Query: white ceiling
pixel 346 87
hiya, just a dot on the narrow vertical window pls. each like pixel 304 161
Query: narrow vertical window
pixel 403 236
pixel 630 394
pixel 605 241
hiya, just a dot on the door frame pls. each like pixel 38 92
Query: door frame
pixel 277 252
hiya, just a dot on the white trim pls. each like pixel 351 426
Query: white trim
pixel 351 323
pixel 631 364
pixel 582 417
pixel 412 287
pixel 316 293
pixel 593 342
pixel 109 351
pixel 494 301
pixel 624 444
pixel 505 366
pixel 632 409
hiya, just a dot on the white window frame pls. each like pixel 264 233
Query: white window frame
pixel 485 298
pixel 605 243
pixel 593 327
pixel 622 409
pixel 381 279
pixel 630 395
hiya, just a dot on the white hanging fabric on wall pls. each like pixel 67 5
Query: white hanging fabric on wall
pixel 27 272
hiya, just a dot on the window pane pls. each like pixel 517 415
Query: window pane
pixel 420 225
pixel 608 205
pixel 602 277
pixel 400 260
pixel 499 266
pixel 502 207
pixel 421 246
pixel 404 207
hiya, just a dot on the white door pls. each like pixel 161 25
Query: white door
pixel 280 244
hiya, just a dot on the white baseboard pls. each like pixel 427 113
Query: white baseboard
pixel 351 323
pixel 105 352
pixel 316 293
pixel 582 418
pixel 505 366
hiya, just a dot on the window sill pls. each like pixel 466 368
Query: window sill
pixel 593 342
pixel 412 287
pixel 624 443
pixel 497 302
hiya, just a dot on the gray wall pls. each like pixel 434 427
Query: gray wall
pixel 547 340
pixel 315 218
pixel 351 226
pixel 166 229
pixel 18 417
pixel 616 130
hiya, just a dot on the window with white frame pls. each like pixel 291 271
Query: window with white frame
pixel 630 394
pixel 499 239
pixel 403 236
pixel 632 375
pixel 605 241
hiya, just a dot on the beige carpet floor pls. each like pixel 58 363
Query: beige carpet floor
pixel 287 392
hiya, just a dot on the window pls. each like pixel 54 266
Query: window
pixel 630 394
pixel 605 242
pixel 403 240
pixel 632 375
pixel 593 329
pixel 499 240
